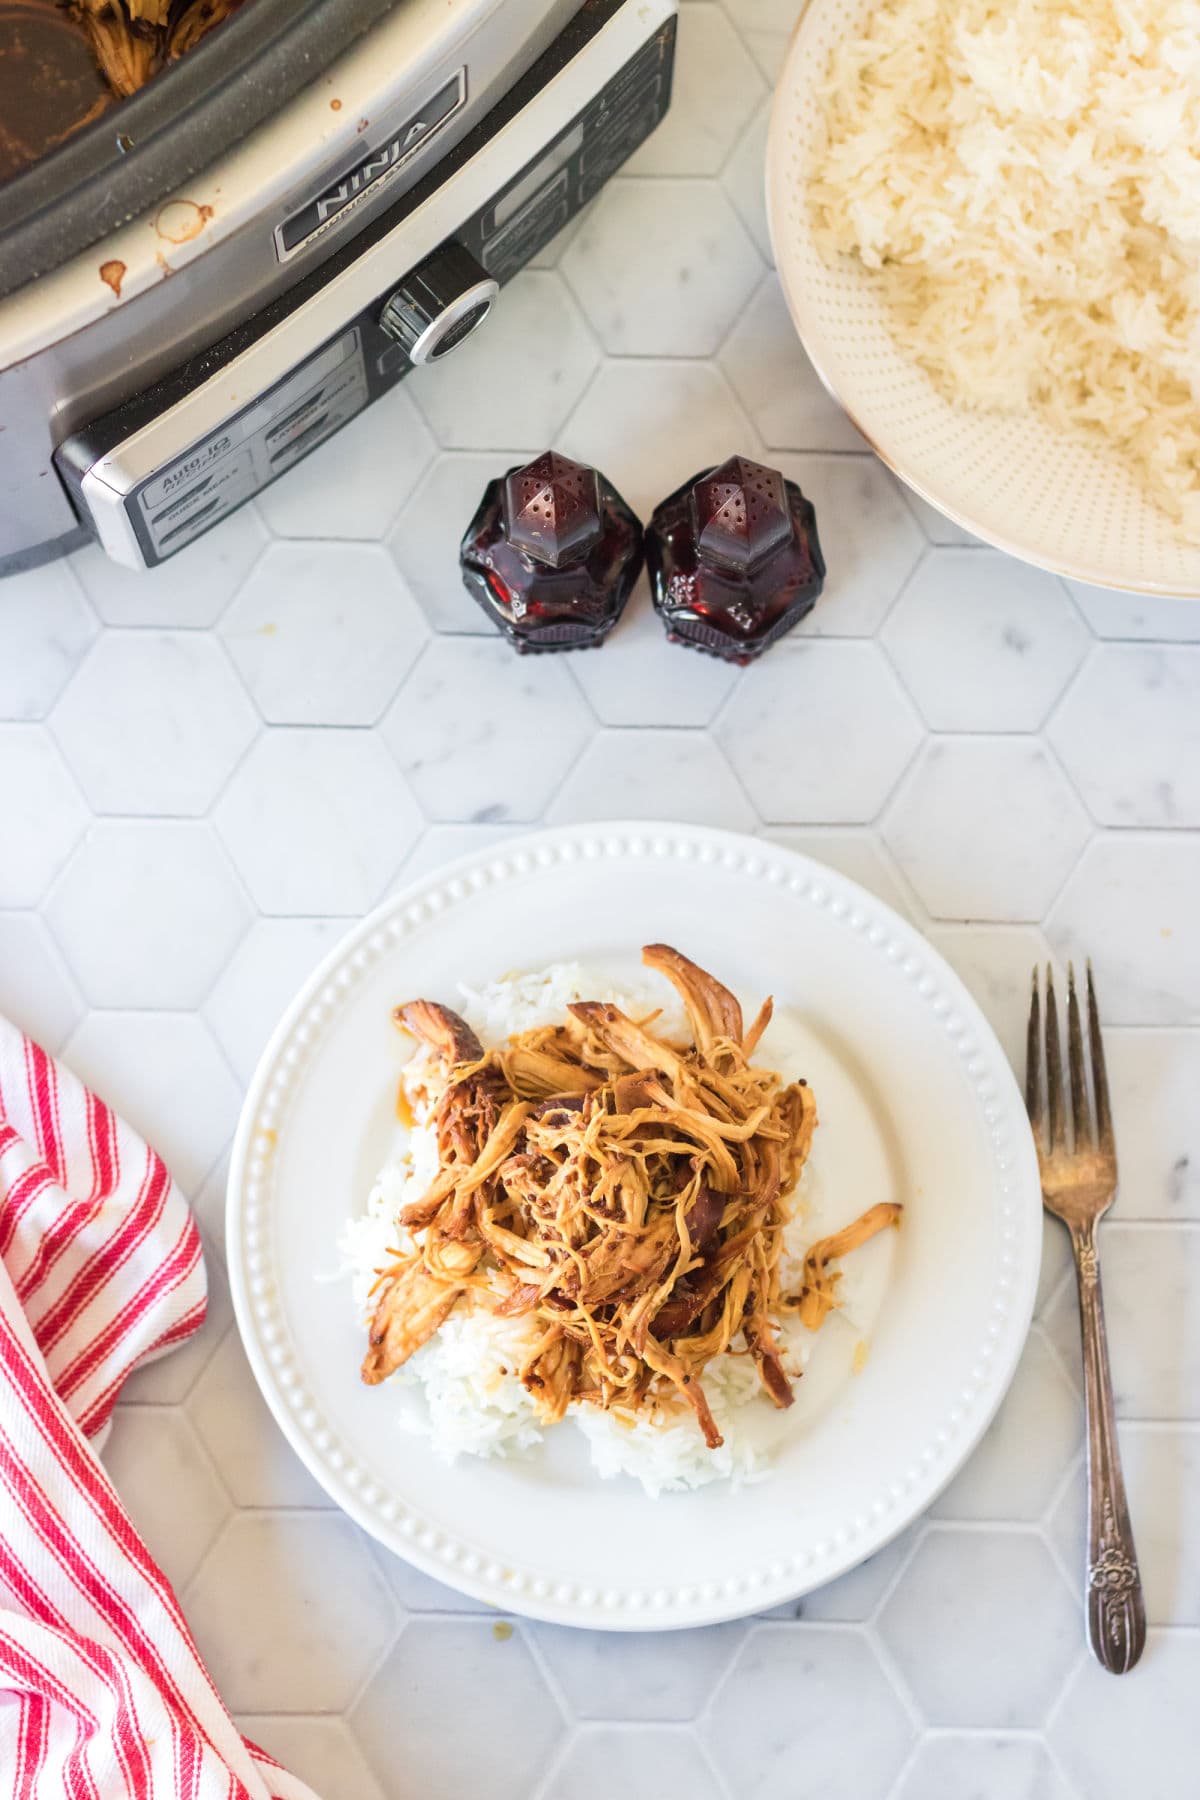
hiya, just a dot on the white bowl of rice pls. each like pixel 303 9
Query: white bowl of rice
pixel 986 220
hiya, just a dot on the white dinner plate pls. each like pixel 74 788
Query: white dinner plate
pixel 917 1103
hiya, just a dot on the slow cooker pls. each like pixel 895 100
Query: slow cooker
pixel 206 282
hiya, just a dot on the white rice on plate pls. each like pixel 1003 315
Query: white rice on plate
pixel 459 1389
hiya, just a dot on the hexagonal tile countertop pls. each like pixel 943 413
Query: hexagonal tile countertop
pixel 206 773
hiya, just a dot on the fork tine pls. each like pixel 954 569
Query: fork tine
pixel 1104 1125
pixel 1081 1112
pixel 1033 1060
pixel 1055 1096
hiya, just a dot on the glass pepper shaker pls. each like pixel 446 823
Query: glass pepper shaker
pixel 552 554
pixel 734 559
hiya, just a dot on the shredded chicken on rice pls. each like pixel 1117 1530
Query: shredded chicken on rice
pixel 627 1196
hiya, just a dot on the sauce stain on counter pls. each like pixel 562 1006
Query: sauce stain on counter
pixel 335 105
pixel 112 273
pixel 502 1631
pixel 861 1352
pixel 179 221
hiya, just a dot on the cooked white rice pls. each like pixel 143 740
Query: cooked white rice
pixel 453 1389
pixel 1022 177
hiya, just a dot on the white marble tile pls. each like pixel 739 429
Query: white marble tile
pixel 165 1074
pixel 318 1750
pixel 168 1380
pixel 687 421
pixel 662 267
pixel 192 588
pixel 165 1481
pixel 317 821
pixel 1141 1739
pixel 147 914
pixel 715 88
pixel 1154 1078
pixel 513 1724
pixel 1008 803
pixel 768 47
pixel 638 1765
pixel 289 1612
pixel 855 853
pixel 517 379
pixel 639 678
pixel 865 569
pixel 983 643
pixel 1030 1445
pixel 653 775
pixel 484 735
pixel 354 485
pixel 208 1203
pixel 743 180
pixel 42 814
pixel 804 699
pixel 1151 1274
pixel 782 394
pixel 45 629
pixel 430 529
pixel 1056 1264
pixel 983 1628
pixel 811 1707
pixel 154 723
pixel 856 1595
pixel 637 1675
pixel 1129 735
pixel 1114 614
pixel 324 633
pixel 37 994
pixel 262 975
pixel 996 963
pixel 258 1465
pixel 978 1766
pixel 752 16
pixel 1129 905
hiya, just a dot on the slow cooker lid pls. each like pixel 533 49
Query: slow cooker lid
pixel 143 149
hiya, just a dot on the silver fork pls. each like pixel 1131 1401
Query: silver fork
pixel 1078 1184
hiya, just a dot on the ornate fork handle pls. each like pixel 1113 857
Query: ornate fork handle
pixel 1116 1610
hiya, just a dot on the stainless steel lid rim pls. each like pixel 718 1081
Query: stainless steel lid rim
pixel 216 95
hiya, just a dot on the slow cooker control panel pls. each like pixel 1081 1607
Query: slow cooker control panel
pixel 165 467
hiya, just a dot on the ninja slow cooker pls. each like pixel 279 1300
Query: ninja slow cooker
pixel 208 280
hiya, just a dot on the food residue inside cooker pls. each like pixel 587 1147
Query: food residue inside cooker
pixel 64 62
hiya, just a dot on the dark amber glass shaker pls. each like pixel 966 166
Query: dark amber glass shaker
pixel 734 559
pixel 552 554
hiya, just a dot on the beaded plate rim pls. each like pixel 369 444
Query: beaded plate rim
pixel 453 1560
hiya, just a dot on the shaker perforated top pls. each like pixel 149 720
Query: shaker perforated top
pixel 552 508
pixel 740 513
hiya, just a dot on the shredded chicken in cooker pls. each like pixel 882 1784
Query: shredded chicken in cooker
pixel 133 39
pixel 626 1195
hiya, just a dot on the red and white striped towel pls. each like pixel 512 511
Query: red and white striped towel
pixel 102 1690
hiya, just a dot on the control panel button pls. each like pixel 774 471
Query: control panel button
pixel 438 304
